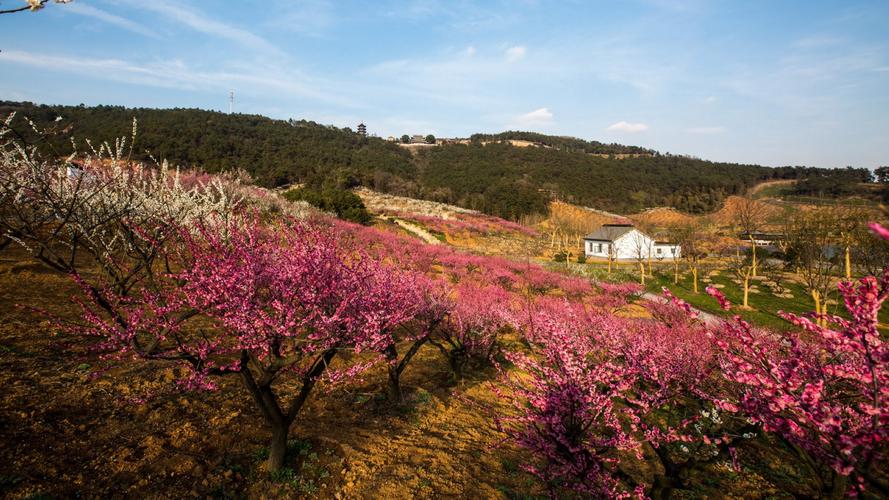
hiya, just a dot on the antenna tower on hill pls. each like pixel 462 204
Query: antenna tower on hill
pixel 231 102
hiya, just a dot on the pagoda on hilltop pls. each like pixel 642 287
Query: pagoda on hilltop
pixel 362 130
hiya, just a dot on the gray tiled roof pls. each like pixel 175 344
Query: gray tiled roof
pixel 608 233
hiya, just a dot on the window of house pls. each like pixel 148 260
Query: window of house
pixel 599 248
pixel 659 251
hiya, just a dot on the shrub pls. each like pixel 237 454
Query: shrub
pixel 345 204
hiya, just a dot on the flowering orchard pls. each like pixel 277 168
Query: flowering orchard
pixel 479 224
pixel 223 279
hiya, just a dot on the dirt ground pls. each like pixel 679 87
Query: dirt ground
pixel 73 425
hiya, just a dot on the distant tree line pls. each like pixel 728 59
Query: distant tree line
pixel 498 179
pixel 834 183
pixel 275 152
pixel 568 144
pixel 506 180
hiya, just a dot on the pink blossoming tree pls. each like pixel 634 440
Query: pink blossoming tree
pixel 264 304
pixel 823 391
pixel 473 325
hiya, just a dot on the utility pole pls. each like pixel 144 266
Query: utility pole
pixel 231 102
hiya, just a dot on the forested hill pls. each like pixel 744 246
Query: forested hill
pixel 275 152
pixel 568 144
pixel 496 178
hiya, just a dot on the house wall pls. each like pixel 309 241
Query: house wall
pixel 666 251
pixel 629 247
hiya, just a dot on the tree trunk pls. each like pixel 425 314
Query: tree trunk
pixel 694 275
pixel 277 447
pixel 394 389
pixel 839 486
pixel 675 272
pixel 641 272
pixel 746 291
pixel 609 264
pixel 394 385
pixel 817 298
pixel 457 360
pixel 753 251
pixel 674 476
pixel 848 262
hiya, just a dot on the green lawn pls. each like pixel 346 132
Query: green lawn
pixel 765 305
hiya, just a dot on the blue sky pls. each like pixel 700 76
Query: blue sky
pixel 772 82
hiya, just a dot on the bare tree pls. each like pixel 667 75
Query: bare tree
pixel 751 217
pixel 103 207
pixel 809 236
pixel 691 240
pixel 850 223
pixel 641 247
pixel 870 255
pixel 741 266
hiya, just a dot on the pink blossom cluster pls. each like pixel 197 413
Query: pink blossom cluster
pixel 472 223
pixel 823 390
pixel 597 384
pixel 478 316
pixel 270 296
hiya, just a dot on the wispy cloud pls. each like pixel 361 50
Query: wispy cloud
pixel 466 77
pixel 707 130
pixel 515 53
pixel 630 128
pixel 542 117
pixel 817 42
pixel 178 75
pixel 87 10
pixel 307 17
pixel 201 22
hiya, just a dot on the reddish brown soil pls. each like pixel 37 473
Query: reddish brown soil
pixel 67 431
pixel 71 425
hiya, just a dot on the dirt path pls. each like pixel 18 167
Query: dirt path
pixel 414 229
pixel 709 319
pixel 762 185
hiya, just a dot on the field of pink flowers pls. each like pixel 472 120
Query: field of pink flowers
pixel 274 312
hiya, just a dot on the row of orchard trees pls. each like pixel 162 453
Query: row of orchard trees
pixel 815 245
pixel 197 271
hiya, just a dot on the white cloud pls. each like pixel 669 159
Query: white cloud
pixel 538 118
pixel 470 51
pixel 254 79
pixel 707 130
pixel 312 18
pixel 630 128
pixel 121 22
pixel 515 53
pixel 709 99
pixel 817 42
pixel 201 22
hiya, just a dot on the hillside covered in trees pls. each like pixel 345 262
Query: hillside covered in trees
pixel 568 144
pixel 275 152
pixel 495 178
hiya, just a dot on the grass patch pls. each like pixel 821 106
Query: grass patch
pixel 765 305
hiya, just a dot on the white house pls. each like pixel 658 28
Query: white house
pixel 625 242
